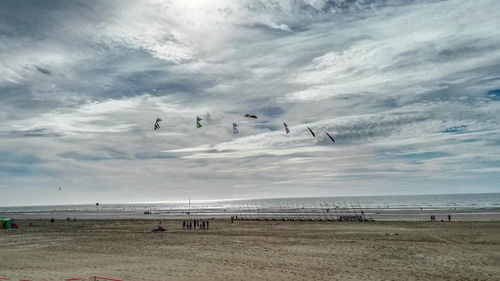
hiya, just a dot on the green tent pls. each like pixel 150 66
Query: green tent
pixel 6 223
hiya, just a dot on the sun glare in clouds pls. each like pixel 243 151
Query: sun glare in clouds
pixel 408 89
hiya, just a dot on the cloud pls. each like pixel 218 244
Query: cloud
pixel 410 94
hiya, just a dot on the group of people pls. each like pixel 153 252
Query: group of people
pixel 187 224
pixel 433 218
pixel 193 224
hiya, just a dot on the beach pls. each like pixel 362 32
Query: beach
pixel 127 249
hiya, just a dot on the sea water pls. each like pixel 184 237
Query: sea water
pixel 445 201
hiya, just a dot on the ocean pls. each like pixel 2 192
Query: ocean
pixel 405 202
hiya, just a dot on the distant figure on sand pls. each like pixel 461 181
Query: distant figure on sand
pixel 449 217
pixel 160 227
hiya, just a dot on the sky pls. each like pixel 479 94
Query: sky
pixel 410 90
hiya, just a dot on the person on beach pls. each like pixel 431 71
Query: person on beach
pixel 160 227
pixel 207 224
pixel 449 217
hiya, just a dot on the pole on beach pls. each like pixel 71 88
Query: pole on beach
pixel 347 209
pixel 336 213
pixel 331 216
pixel 354 209
pixel 293 211
pixel 323 214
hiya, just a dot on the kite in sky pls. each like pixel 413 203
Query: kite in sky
pixel 329 136
pixel 157 123
pixel 235 130
pixel 286 128
pixel 312 133
pixel 198 119
pixel 250 116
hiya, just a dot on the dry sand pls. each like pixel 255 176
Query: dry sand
pixel 250 250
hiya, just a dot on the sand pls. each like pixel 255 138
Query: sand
pixel 250 250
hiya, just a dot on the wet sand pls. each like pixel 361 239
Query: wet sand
pixel 251 250
pixel 377 214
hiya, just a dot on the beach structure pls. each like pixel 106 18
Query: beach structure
pixel 325 211
pixel 269 210
pixel 6 223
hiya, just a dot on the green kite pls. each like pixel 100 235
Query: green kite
pixel 198 119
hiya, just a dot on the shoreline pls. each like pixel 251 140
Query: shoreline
pixel 376 214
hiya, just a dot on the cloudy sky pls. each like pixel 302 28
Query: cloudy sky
pixel 409 89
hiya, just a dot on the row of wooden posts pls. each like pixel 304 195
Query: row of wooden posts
pixel 289 212
pixel 277 211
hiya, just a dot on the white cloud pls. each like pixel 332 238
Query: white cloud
pixel 402 88
pixel 411 53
